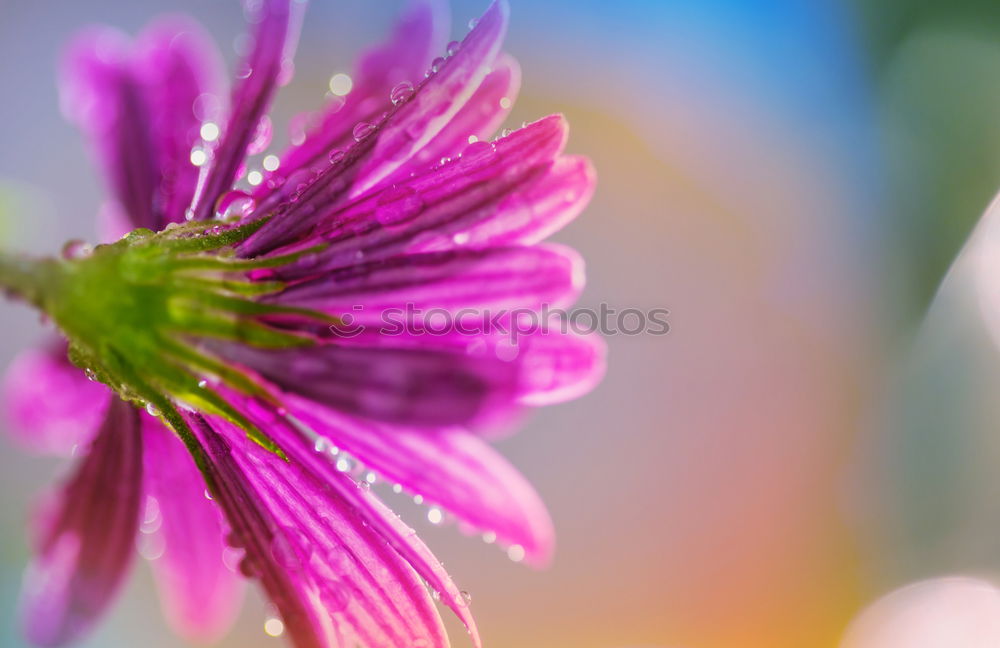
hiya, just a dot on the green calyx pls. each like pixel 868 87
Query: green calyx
pixel 136 313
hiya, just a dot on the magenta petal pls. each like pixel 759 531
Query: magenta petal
pixel 468 284
pixel 434 210
pixel 200 593
pixel 438 100
pixel 51 406
pixel 449 468
pixel 332 578
pixel 181 73
pixel 477 120
pixel 557 367
pixel 421 387
pixel 85 549
pixel 259 75
pixel 418 37
pixel 99 93
pixel 542 208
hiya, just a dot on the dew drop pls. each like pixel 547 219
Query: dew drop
pixel 261 137
pixel 418 499
pixel 206 107
pixel 91 376
pixel 489 537
pixel 453 48
pixel 473 23
pixel 336 155
pixel 244 71
pixel 371 477
pixel 189 213
pixel 401 92
pixel 290 548
pixel 362 130
pixel 202 384
pixel 464 598
pixel 436 64
pixel 398 205
pixel 343 464
pixel 76 249
pixel 476 152
pixel 151 409
pixel 208 494
pixel 231 558
pixel 235 204
pixel 247 567
pixel 322 445
pixel 397 488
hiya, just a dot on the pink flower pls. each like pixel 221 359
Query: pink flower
pixel 393 196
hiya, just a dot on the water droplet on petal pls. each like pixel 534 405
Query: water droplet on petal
pixel 290 548
pixel 473 23
pixel 436 64
pixel 489 537
pixel 397 488
pixel 76 249
pixel 476 152
pixel 208 494
pixel 244 71
pixel 464 598
pixel 453 48
pixel 401 92
pixel 336 155
pixel 151 409
pixel 322 445
pixel 234 204
pixel 398 205
pixel 261 137
pixel 362 130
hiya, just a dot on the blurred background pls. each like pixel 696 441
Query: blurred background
pixel 810 457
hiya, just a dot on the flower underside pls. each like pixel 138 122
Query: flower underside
pixel 135 310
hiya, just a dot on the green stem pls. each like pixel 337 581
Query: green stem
pixel 24 277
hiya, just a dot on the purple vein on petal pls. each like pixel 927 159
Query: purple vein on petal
pixel 470 480
pixel 278 23
pixel 407 128
pixel 200 593
pixel 328 574
pixel 85 545
pixel 419 35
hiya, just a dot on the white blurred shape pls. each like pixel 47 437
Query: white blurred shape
pixel 948 612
